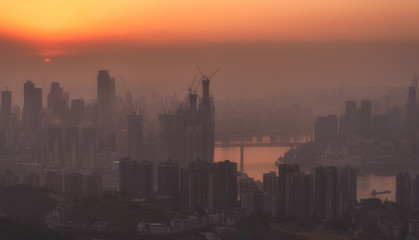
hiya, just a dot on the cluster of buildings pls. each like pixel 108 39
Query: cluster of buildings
pixel 322 194
pixel 362 123
pixel 407 191
pixel 200 184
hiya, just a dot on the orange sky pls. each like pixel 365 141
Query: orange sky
pixel 176 21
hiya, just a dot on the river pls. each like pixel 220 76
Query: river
pixel 260 160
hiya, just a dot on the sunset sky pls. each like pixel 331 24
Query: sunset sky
pixel 53 22
pixel 371 41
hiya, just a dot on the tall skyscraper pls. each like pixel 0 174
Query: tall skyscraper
pixel 224 183
pixel 135 137
pixel 189 133
pixel 6 110
pixel 365 119
pixel 351 117
pixel 297 199
pixel 347 188
pixel 404 190
pixel 32 108
pixel 208 122
pixel 57 101
pixel 195 185
pixel 283 171
pixel 105 100
pixel 411 112
pixel 326 193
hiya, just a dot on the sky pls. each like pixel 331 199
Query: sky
pixel 259 45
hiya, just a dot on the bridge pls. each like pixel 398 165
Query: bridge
pixel 261 144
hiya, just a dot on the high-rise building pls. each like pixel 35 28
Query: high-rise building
pixel 326 193
pixel 105 102
pixel 270 185
pixel 351 118
pixel 347 188
pixel 54 158
pixel 283 171
pixel 32 108
pixel 415 192
pixel 195 185
pixel 207 110
pixel 411 111
pixel 297 195
pixel 224 185
pixel 188 134
pixel 135 137
pixel 88 147
pixel 71 147
pixel 92 185
pixel 57 101
pixel 166 143
pixel 6 110
pixel 168 180
pixel 404 190
pixel 136 178
pixel 77 111
pixel 365 119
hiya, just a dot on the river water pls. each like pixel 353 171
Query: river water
pixel 260 160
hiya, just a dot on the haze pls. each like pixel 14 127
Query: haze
pixel 261 47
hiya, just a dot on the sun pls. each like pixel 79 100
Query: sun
pixel 47 60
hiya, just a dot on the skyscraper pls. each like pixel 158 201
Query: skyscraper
pixel 57 101
pixel 135 137
pixel 411 111
pixel 365 119
pixel 283 171
pixel 326 193
pixel 189 133
pixel 347 188
pixel 351 116
pixel 404 190
pixel 6 110
pixel 224 183
pixel 208 122
pixel 32 108
pixel 195 184
pixel 105 99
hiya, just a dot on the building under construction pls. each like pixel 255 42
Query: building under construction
pixel 188 134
